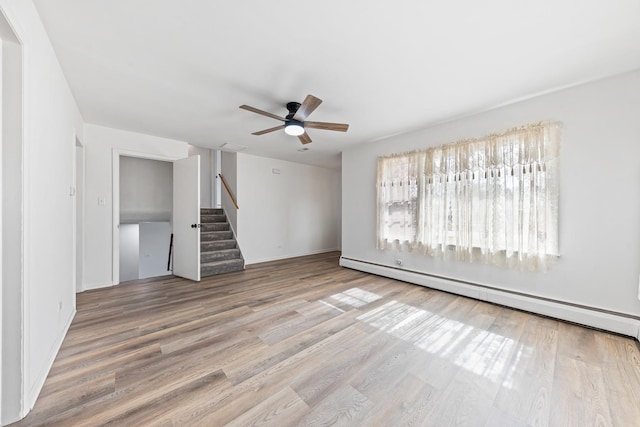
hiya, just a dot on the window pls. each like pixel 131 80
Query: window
pixel 493 199
pixel 397 197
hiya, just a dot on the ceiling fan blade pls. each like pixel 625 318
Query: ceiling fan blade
pixel 304 138
pixel 262 132
pixel 309 104
pixel 262 112
pixel 340 127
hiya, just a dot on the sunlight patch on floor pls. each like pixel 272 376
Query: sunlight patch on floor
pixel 356 297
pixel 482 352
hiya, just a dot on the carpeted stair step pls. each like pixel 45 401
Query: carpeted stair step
pixel 224 254
pixel 207 219
pixel 218 267
pixel 211 211
pixel 214 226
pixel 217 245
pixel 209 236
pixel 219 252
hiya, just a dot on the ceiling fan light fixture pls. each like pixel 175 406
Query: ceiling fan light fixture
pixel 294 128
pixel 295 122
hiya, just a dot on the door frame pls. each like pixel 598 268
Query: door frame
pixel 115 202
pixel 77 194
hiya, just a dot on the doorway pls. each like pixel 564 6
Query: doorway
pixel 179 207
pixel 115 176
pixel 146 210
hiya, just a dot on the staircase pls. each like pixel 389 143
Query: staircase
pixel 219 252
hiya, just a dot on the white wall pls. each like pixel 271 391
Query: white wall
pixel 100 143
pixel 229 170
pixel 50 123
pixel 206 174
pixel 2 291
pixel 11 223
pixel 599 195
pixel 291 213
pixel 146 190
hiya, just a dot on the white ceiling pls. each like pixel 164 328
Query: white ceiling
pixel 180 69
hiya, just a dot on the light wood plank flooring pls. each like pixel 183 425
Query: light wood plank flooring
pixel 305 342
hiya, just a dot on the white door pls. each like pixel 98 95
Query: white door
pixel 186 218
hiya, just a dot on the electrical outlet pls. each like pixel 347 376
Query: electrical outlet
pixel 398 262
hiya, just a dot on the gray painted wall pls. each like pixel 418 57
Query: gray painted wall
pixel 154 249
pixel 129 252
pixel 146 190
pixel 144 250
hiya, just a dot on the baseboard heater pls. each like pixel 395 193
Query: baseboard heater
pixel 620 323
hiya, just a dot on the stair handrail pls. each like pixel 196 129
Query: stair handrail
pixel 226 186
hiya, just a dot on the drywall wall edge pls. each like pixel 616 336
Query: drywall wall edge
pixel 625 325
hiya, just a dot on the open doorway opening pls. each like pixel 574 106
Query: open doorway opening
pixel 146 204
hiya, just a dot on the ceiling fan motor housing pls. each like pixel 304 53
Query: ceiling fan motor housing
pixel 292 126
pixel 293 107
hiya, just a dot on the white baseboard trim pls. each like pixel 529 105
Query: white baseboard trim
pixel 287 256
pixel 35 390
pixel 92 286
pixel 588 316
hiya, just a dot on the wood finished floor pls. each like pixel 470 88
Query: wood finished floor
pixel 305 342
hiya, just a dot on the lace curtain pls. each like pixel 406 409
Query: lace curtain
pixel 493 199
pixel 398 178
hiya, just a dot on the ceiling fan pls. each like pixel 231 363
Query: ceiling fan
pixel 294 122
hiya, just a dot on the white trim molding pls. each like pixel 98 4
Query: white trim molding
pixel 289 255
pixel 619 323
